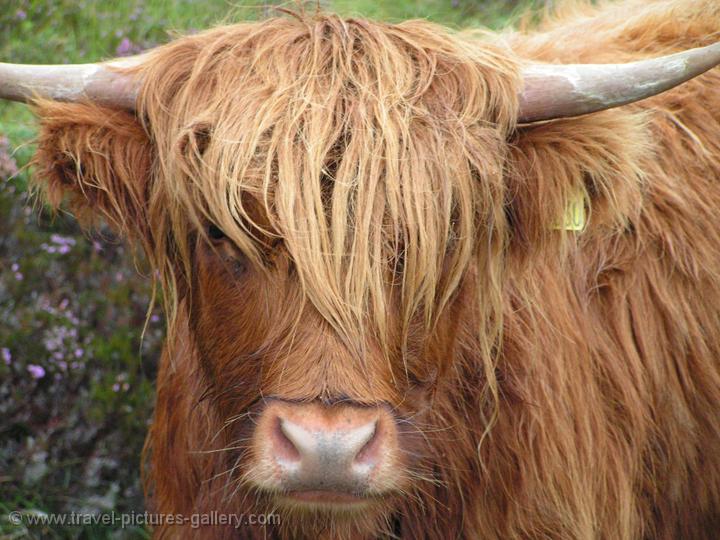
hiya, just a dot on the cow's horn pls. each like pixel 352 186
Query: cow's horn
pixel 102 83
pixel 558 91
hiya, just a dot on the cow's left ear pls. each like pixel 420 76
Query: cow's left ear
pixel 596 161
pixel 99 160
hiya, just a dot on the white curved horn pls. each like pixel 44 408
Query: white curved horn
pixel 558 91
pixel 102 83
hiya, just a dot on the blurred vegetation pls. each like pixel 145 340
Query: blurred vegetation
pixel 76 378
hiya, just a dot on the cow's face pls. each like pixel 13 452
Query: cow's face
pixel 329 417
pixel 322 224
pixel 335 214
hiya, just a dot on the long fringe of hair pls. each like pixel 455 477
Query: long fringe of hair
pixel 343 132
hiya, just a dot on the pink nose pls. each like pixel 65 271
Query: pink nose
pixel 315 448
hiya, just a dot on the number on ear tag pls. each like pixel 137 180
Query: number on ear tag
pixel 575 216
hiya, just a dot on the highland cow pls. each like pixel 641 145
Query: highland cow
pixel 378 323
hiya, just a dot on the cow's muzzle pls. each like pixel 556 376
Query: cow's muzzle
pixel 316 454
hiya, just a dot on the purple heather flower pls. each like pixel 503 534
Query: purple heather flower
pixel 62 240
pixel 6 356
pixel 20 15
pixel 124 47
pixel 36 372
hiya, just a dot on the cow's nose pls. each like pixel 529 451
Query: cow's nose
pixel 336 448
pixel 316 448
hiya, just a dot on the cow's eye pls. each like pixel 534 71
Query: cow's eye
pixel 215 232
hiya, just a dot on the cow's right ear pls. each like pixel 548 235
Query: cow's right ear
pixel 97 159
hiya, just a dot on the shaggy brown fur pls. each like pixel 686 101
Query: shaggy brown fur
pixel 390 240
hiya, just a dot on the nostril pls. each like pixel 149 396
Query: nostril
pixel 303 440
pixel 359 439
pixel 283 446
pixel 369 452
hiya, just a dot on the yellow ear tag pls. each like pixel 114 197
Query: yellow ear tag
pixel 574 218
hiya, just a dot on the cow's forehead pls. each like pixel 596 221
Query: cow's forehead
pixel 358 143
